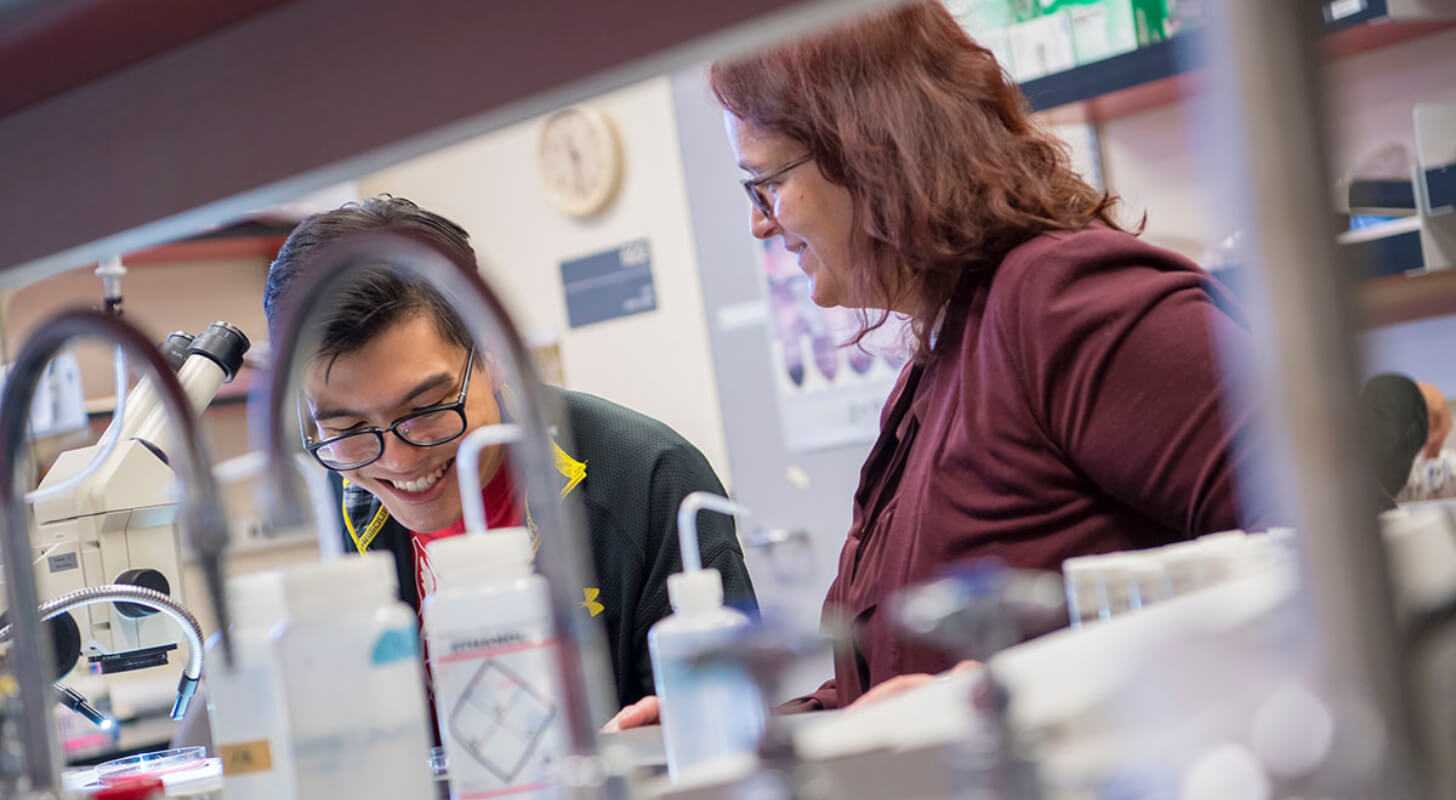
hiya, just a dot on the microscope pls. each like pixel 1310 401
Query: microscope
pixel 119 524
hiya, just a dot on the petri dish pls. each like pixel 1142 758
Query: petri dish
pixel 158 762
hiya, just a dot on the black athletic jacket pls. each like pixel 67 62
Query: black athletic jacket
pixel 630 473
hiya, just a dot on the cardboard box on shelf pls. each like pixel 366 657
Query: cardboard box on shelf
pixel 1033 38
pixel 988 22
pixel 1105 28
pixel 980 17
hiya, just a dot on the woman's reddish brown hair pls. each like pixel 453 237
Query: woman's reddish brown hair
pixel 933 141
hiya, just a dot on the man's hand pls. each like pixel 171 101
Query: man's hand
pixel 646 711
pixel 1438 414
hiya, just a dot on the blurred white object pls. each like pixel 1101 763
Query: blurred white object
pixel 1420 537
pixel 1150 700
pixel 935 713
pixel 1431 478
pixel 1435 124
pixel 1135 702
pixel 1104 586
pixel 246 711
pixel 353 683
pixel 1421 541
pixel 59 405
pixel 1223 772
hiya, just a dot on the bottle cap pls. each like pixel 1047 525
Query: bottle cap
pixel 694 592
pixel 361 581
pixel 499 552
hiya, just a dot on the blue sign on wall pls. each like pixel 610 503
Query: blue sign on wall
pixel 603 286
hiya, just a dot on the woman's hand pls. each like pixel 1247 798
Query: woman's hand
pixel 643 712
pixel 894 686
pixel 904 683
pixel 1438 414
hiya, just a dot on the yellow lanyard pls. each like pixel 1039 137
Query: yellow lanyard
pixel 362 541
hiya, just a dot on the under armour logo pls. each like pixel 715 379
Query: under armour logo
pixel 591 593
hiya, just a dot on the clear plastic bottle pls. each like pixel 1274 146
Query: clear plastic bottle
pixel 349 653
pixel 492 657
pixel 712 716
pixel 245 705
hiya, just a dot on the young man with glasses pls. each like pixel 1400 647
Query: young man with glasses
pixel 395 386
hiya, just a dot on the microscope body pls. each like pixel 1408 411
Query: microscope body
pixel 117 527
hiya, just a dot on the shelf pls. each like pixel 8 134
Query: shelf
pixel 1388 300
pixel 252 239
pixel 1167 72
pixel 1406 298
pixel 1118 86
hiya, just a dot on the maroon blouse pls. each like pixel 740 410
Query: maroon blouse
pixel 1072 406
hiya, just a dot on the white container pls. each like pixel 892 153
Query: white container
pixel 1183 564
pixel 711 717
pixel 1086 590
pixel 349 654
pixel 1119 572
pixel 202 783
pixel 493 659
pixel 245 705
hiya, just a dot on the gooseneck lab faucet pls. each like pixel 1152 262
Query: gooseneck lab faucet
pixel 200 515
pixel 565 551
pixel 113 593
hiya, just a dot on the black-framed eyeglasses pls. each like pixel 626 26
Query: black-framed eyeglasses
pixel 425 427
pixel 754 186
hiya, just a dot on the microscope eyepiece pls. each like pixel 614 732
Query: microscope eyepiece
pixel 224 344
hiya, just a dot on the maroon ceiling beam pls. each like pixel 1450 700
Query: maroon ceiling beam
pixel 311 92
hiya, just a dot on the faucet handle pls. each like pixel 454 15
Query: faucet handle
pixel 789 551
pixel 978 610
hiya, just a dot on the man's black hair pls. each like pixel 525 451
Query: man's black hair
pixel 1394 412
pixel 372 299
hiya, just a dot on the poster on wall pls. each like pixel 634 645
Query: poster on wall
pixel 830 394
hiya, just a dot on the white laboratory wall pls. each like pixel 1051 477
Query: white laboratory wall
pixel 658 362
pixel 1151 160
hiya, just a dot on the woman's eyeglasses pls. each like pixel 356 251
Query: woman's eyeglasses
pixel 755 186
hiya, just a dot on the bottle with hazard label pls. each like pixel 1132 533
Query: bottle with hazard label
pixel 492 657
pixel 245 702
